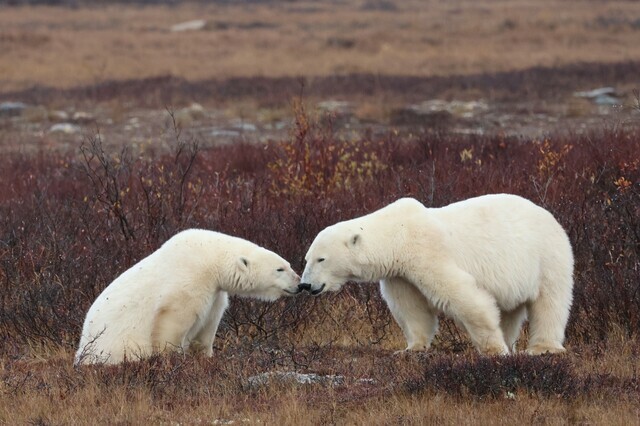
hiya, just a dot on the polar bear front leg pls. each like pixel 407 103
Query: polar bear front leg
pixel 203 341
pixel 456 293
pixel 412 312
pixel 171 324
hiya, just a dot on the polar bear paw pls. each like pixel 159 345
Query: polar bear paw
pixel 540 349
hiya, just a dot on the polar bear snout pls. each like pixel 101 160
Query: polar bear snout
pixel 304 287
pixel 317 291
pixel 293 285
pixel 310 288
pixel 293 290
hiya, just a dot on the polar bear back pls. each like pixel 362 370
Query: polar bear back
pixel 119 317
pixel 505 242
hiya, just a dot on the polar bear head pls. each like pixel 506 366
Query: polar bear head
pixel 264 275
pixel 337 255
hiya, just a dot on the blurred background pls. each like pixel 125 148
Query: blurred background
pixel 231 68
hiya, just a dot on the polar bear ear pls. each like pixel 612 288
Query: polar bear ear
pixel 243 263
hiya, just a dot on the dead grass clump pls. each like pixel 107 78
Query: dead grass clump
pixel 503 377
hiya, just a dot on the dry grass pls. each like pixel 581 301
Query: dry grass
pixel 68 47
pixel 44 388
pixel 188 390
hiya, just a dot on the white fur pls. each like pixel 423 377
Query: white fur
pixel 174 298
pixel 488 262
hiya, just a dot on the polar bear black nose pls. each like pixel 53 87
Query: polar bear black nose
pixel 318 290
pixel 304 286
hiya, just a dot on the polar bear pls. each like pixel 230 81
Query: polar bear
pixel 488 262
pixel 174 298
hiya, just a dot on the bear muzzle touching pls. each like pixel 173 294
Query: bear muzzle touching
pixel 313 280
pixel 320 276
pixel 287 284
pixel 325 275
pixel 314 290
pixel 295 287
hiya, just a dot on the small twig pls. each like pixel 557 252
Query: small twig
pixel 636 94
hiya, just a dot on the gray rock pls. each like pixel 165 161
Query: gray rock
pixel 601 96
pixel 82 117
pixel 230 421
pixel 66 128
pixel 11 109
pixel 336 107
pixel 292 377
pixel 436 113
pixel 590 94
pixel 414 117
pixel 279 125
pixel 380 5
pixel 338 113
pixel 195 25
pixel 224 133
pixel 58 116
pixel 243 126
pixel 341 42
pixel 464 109
pixel 606 100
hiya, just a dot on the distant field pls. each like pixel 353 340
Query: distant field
pixel 65 47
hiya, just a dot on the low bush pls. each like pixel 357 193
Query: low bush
pixel 71 222
pixel 503 377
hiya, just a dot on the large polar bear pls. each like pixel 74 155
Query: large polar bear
pixel 174 298
pixel 488 262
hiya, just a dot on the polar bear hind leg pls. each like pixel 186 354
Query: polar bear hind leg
pixel 203 341
pixel 548 315
pixel 456 293
pixel 412 312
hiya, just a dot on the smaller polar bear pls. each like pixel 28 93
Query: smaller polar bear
pixel 488 262
pixel 174 298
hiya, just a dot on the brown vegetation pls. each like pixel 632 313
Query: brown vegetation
pixel 537 84
pixel 71 222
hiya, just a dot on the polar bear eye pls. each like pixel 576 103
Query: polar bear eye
pixel 280 269
pixel 321 259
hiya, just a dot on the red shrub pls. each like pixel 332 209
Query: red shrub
pixel 70 225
